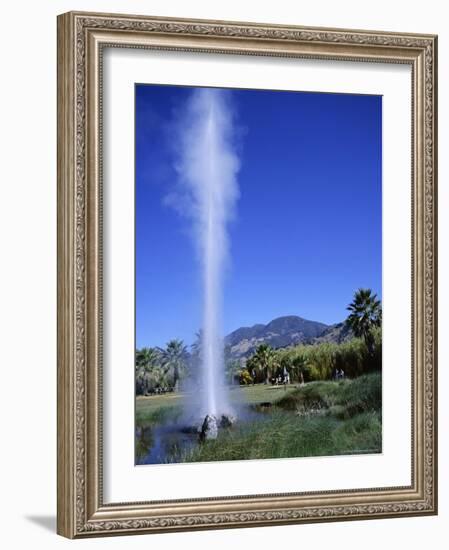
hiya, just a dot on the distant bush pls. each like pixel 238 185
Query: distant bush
pixel 321 360
pixel 245 378
pixel 352 357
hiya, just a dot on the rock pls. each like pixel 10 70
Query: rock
pixel 227 420
pixel 209 429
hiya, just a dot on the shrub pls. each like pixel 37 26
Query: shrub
pixel 352 357
pixel 245 378
pixel 321 360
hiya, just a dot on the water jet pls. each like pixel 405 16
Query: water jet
pixel 208 167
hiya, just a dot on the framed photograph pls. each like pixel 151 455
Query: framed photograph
pixel 247 283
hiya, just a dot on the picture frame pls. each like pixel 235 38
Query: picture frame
pixel 82 40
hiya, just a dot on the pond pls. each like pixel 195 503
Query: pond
pixel 171 440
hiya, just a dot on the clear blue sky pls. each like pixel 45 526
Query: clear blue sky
pixel 308 229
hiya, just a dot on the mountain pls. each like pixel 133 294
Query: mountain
pixel 278 333
pixel 337 333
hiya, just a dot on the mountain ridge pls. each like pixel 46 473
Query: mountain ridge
pixel 284 331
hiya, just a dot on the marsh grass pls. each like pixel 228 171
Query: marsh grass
pixel 284 436
pixel 322 418
pixel 319 419
pixel 343 399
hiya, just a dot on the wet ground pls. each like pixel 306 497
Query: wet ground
pixel 170 441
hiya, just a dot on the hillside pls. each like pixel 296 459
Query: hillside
pixel 278 333
pixel 337 333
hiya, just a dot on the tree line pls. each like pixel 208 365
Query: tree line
pixel 160 370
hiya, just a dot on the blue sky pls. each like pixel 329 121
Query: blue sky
pixel 308 227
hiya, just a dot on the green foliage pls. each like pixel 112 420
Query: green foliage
pixel 263 361
pixel 160 369
pixel 321 418
pixel 361 433
pixel 342 399
pixel 319 361
pixel 245 378
pixel 149 415
pixel 314 396
pixel 149 374
pixel 174 361
pixel 318 419
pixel 365 315
pixel 164 369
pixel 358 356
pixel 284 435
pixel 146 358
pixel 295 360
pixel 363 394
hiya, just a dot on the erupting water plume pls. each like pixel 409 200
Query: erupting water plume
pixel 207 166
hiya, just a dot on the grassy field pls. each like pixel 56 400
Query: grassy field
pixel 318 419
pixel 157 406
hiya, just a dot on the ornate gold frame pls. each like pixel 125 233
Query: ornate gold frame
pixel 81 37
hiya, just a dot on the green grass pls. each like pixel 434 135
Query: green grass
pixel 344 399
pixel 318 419
pixel 159 408
pixel 284 435
pixel 260 393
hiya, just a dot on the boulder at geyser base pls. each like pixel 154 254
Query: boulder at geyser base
pixel 209 428
pixel 227 420
pixel 210 425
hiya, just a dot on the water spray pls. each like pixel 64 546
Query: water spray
pixel 208 166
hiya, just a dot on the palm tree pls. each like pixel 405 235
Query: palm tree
pixel 146 358
pixel 147 365
pixel 252 368
pixel 365 314
pixel 263 360
pixel 299 365
pixel 174 360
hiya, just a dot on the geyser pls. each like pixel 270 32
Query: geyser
pixel 208 166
